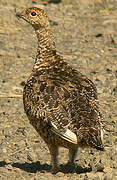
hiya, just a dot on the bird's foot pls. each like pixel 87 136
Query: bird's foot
pixel 55 169
pixel 70 167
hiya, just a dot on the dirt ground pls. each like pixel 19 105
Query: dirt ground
pixel 86 36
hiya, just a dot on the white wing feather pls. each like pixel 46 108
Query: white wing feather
pixel 68 135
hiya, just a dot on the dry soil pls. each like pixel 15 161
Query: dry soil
pixel 86 36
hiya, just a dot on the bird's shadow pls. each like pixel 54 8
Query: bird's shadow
pixel 32 167
pixel 37 167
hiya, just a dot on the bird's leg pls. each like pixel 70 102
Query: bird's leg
pixel 72 156
pixel 70 166
pixel 54 157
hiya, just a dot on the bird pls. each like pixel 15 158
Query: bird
pixel 60 102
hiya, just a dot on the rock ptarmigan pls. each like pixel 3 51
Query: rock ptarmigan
pixel 60 102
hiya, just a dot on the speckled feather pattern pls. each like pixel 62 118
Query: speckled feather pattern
pixel 57 93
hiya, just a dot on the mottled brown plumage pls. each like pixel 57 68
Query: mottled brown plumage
pixel 60 102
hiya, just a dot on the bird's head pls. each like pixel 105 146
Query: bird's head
pixel 35 16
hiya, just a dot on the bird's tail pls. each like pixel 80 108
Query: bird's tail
pixel 91 137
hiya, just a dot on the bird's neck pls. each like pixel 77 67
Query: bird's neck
pixel 46 47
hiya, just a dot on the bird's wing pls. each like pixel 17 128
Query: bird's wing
pixel 55 110
pixel 60 121
pixel 74 105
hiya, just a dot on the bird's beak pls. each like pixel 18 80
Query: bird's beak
pixel 21 14
pixel 18 14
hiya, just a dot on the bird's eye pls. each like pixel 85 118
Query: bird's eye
pixel 33 13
